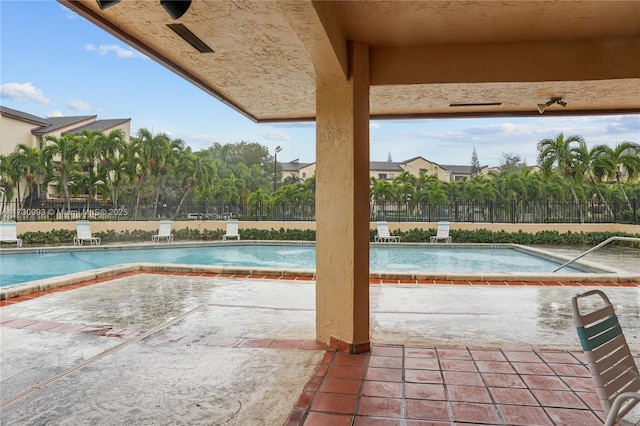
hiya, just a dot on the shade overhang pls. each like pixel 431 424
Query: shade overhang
pixel 427 59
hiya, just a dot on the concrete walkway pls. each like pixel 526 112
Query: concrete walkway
pixel 149 348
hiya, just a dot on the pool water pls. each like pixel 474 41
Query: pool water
pixel 19 268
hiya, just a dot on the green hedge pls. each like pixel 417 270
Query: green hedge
pixel 541 237
pixel 413 235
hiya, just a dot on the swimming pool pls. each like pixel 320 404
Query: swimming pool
pixel 20 268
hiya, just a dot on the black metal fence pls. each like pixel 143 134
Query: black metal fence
pixel 509 212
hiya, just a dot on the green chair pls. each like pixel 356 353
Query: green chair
pixel 608 357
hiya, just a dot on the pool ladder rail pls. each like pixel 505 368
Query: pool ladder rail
pixel 604 243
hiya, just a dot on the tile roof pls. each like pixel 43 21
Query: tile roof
pixel 60 122
pixel 459 170
pixel 418 158
pixel 385 165
pixel 293 166
pixel 98 125
pixel 23 116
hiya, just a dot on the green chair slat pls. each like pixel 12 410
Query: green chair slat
pixel 605 337
pixel 610 322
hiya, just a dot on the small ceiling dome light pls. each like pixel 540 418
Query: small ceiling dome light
pixel 105 4
pixel 544 106
pixel 176 8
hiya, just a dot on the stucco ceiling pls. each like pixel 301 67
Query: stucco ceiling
pixel 425 56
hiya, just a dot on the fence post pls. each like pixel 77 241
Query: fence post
pixel 546 211
pixel 491 211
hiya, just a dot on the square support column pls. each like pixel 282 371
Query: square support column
pixel 342 206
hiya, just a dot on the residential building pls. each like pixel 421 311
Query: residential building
pixel 388 170
pixel 298 170
pixel 18 127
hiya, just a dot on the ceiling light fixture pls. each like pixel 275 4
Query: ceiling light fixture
pixel 105 4
pixel 176 8
pixel 556 100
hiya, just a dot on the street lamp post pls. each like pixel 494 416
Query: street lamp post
pixel 275 167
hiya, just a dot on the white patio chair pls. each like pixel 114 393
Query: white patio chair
pixel 609 359
pixel 9 233
pixel 384 235
pixel 442 233
pixel 164 231
pixel 232 230
pixel 83 233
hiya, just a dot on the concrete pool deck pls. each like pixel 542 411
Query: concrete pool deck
pixel 617 265
pixel 191 348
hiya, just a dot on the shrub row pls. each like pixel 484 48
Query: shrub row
pixel 414 235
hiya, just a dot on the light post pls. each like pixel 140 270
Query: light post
pixel 275 167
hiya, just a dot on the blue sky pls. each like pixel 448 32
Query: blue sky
pixel 53 62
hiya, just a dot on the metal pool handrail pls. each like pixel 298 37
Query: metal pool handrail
pixel 605 242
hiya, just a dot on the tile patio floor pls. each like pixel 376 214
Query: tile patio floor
pixel 395 384
pixel 403 385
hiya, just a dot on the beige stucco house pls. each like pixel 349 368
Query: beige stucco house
pixel 297 170
pixel 388 170
pixel 18 127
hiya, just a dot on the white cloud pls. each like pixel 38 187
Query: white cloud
pixel 374 125
pixel 500 129
pixel 55 113
pixel 23 92
pixel 105 49
pixel 276 135
pixel 78 105
pixel 199 141
pixel 625 124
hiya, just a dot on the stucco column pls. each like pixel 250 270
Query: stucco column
pixel 342 206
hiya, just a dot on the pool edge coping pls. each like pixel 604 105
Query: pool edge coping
pixel 384 277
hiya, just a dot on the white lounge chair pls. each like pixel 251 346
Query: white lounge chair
pixel 9 233
pixel 613 370
pixel 232 230
pixel 384 235
pixel 442 233
pixel 164 231
pixel 83 233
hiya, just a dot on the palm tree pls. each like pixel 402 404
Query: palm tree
pixel 596 163
pixel 380 190
pixel 112 148
pixel 230 189
pixel 60 155
pixel 90 151
pixel 197 173
pixel 307 196
pixel 117 174
pixel 561 154
pixel 26 163
pixel 289 197
pixel 259 202
pixel 430 190
pixel 6 184
pixel 161 171
pixel 151 152
pixel 621 160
